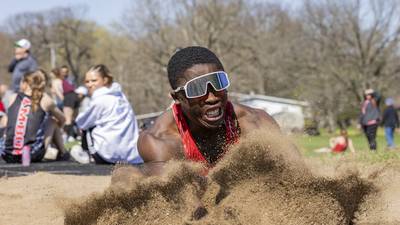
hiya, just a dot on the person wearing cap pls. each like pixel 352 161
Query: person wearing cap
pixel 369 118
pixel 390 121
pixel 22 63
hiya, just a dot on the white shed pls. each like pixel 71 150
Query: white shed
pixel 290 114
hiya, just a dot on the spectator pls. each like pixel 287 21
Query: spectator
pixel 57 87
pixel 32 109
pixel 84 100
pixel 5 94
pixel 70 104
pixel 110 130
pixel 64 70
pixel 3 115
pixel 390 121
pixel 338 144
pixel 22 63
pixel 369 118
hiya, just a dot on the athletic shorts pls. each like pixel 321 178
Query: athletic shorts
pixel 71 100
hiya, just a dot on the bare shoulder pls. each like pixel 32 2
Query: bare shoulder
pixel 11 99
pixel 251 119
pixel 46 102
pixel 161 142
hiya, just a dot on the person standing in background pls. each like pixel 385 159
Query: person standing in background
pixel 369 118
pixel 390 121
pixel 65 72
pixel 22 63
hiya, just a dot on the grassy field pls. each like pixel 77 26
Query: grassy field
pixel 308 143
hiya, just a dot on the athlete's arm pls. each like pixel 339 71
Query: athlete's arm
pixel 12 100
pixel 3 120
pixel 89 118
pixel 48 105
pixel 155 152
pixel 57 88
pixel 159 144
pixel 351 146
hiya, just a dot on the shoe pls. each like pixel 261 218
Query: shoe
pixel 63 156
pixel 51 153
pixel 79 155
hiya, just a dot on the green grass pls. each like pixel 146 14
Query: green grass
pixel 308 144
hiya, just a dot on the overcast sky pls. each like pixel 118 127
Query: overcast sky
pixel 103 12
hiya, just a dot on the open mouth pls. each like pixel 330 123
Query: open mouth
pixel 214 114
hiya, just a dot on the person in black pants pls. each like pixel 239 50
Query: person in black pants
pixel 369 118
pixel 390 121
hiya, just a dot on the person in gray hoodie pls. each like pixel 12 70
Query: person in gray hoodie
pixel 110 130
pixel 22 63
pixel 369 118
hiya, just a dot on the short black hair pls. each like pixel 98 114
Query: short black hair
pixel 187 57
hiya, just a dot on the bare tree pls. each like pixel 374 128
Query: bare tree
pixel 351 46
pixel 230 28
pixel 62 30
pixel 6 53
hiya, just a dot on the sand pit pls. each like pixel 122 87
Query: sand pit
pixel 40 199
pixel 260 181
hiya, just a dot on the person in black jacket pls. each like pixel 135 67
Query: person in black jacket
pixel 390 121
pixel 369 118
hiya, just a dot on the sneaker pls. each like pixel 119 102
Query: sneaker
pixel 63 156
pixel 51 153
pixel 79 155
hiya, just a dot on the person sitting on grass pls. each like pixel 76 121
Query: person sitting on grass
pixel 31 118
pixel 109 127
pixel 338 144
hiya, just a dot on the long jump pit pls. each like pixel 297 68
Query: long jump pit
pixel 259 181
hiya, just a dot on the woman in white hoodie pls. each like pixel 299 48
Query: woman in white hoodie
pixel 110 130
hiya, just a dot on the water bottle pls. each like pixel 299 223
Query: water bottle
pixel 26 155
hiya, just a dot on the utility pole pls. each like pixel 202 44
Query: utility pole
pixel 53 56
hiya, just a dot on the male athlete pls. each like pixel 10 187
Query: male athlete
pixel 202 123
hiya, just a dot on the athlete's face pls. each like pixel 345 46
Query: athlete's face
pixel 206 111
pixel 94 81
